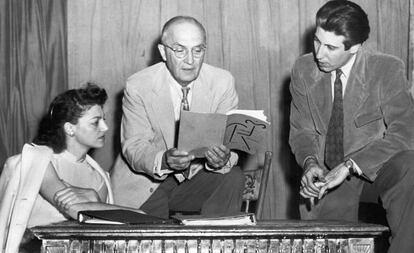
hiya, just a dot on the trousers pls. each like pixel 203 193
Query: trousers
pixel 394 185
pixel 207 193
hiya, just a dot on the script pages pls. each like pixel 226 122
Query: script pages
pixel 242 219
pixel 245 130
pixel 238 129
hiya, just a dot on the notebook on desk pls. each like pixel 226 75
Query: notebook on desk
pixel 242 219
pixel 120 216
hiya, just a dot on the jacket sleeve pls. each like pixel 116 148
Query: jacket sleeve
pixel 397 115
pixel 304 138
pixel 138 137
pixel 9 185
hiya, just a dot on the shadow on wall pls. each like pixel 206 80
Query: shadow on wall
pixel 293 172
pixel 154 58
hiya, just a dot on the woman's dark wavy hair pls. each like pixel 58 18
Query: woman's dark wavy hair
pixel 344 18
pixel 67 107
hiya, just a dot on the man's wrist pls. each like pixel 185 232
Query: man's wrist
pixel 310 160
pixel 164 164
pixel 160 169
pixel 349 164
pixel 231 162
pixel 211 167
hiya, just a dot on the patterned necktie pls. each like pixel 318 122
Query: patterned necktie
pixel 184 102
pixel 186 107
pixel 334 144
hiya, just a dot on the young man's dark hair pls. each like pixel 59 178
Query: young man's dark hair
pixel 344 18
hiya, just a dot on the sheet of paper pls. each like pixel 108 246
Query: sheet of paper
pixel 199 131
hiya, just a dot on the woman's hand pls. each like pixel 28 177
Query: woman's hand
pixel 74 195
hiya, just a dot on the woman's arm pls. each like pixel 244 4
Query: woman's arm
pixel 69 199
pixel 51 184
pixel 61 194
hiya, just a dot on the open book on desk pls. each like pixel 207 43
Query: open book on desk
pixel 238 129
pixel 242 219
pixel 120 216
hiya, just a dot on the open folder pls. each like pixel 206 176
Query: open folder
pixel 242 130
pixel 120 216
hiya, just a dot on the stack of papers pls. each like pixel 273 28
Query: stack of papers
pixel 233 220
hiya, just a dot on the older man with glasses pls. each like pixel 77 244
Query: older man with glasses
pixel 151 174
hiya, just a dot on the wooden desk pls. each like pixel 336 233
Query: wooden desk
pixel 266 236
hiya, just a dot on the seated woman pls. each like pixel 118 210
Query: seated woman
pixel 75 124
pixel 68 179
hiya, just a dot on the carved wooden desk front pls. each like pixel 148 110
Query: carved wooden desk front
pixel 266 236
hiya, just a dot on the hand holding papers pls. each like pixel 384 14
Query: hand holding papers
pixel 240 129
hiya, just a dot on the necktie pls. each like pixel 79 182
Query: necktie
pixel 184 102
pixel 334 144
pixel 186 107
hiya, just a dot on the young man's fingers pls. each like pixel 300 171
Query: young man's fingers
pixel 323 191
pixel 309 193
pixel 312 186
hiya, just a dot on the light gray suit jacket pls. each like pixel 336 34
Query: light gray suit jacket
pixel 378 110
pixel 148 124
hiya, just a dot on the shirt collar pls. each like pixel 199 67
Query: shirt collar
pixel 346 69
pixel 176 86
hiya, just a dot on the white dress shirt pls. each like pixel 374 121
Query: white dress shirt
pixel 346 70
pixel 176 98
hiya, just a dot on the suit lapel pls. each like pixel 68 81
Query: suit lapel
pixel 321 93
pixel 355 93
pixel 321 98
pixel 162 107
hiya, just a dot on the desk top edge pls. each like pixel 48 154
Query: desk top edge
pixel 263 228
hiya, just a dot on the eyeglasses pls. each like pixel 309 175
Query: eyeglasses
pixel 182 52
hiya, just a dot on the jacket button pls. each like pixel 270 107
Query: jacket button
pixel 151 189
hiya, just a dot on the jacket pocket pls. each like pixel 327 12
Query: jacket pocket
pixel 366 118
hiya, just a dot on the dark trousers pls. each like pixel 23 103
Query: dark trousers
pixel 394 185
pixel 207 192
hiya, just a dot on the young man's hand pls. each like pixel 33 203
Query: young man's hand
pixel 311 181
pixel 334 178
